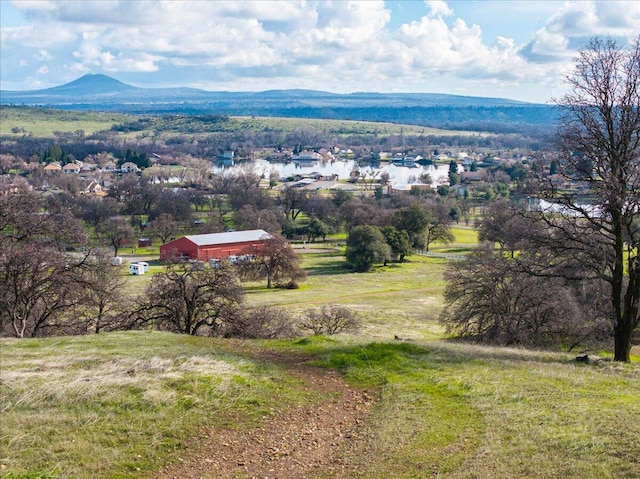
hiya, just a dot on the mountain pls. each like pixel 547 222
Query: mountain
pixel 96 89
pixel 100 89
pixel 90 85
pixel 101 92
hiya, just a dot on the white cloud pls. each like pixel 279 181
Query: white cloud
pixel 439 8
pixel 42 55
pixel 572 25
pixel 331 45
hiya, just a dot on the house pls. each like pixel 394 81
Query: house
pixel 407 188
pixel 129 167
pixel 93 188
pixel 459 190
pixel 87 170
pixel 303 182
pixel 214 245
pixel 467 177
pixel 53 167
pixel 227 158
pixel 109 167
pixel 144 242
pixel 71 168
pixel 316 175
pixel 307 156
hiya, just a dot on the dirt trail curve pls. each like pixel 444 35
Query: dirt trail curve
pixel 318 440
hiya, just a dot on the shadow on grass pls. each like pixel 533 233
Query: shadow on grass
pixel 398 356
pixel 329 268
pixel 460 250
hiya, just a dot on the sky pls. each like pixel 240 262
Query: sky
pixel 519 49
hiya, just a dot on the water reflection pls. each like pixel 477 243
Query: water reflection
pixel 398 174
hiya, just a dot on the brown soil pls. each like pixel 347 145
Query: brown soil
pixel 316 440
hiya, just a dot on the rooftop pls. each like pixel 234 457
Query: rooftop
pixel 229 237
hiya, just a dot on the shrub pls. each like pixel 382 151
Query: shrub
pixel 331 319
pixel 263 323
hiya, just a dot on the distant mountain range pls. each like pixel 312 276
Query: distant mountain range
pixel 101 92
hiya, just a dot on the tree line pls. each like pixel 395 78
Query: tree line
pixel 55 279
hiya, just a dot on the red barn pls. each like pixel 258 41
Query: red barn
pixel 214 245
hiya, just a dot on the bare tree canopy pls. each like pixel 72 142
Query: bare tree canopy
pixel 599 138
pixel 192 301
pixel 39 285
pixel 490 298
pixel 276 260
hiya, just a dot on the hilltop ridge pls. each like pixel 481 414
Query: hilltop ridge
pixel 100 92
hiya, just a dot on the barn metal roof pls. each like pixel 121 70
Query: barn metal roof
pixel 229 237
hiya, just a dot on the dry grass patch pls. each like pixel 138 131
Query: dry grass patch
pixel 117 405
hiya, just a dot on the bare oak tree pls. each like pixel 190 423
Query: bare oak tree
pixel 191 301
pixel 38 284
pixel 502 224
pixel 490 298
pixel 103 300
pixel 599 137
pixel 331 319
pixel 276 260
pixel 116 233
pixel 163 227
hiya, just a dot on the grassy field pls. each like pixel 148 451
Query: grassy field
pixel 44 123
pixel 116 404
pixel 122 404
pixel 345 127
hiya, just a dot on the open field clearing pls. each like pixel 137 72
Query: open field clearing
pixel 347 127
pixel 403 300
pixel 43 123
pixel 123 404
pixel 113 405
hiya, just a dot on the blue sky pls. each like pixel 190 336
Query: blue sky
pixel 513 49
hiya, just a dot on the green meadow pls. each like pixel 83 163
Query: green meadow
pixel 44 123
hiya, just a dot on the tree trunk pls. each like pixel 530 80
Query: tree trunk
pixel 99 318
pixel 628 319
pixel 622 343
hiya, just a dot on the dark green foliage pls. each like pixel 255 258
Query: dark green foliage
pixel 443 190
pixel 366 246
pixel 55 153
pixel 413 220
pixel 398 241
pixel 317 229
pixel 454 177
pixel 141 160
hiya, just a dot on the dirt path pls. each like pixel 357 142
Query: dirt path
pixel 308 441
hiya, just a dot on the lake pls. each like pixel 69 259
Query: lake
pixel 399 175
